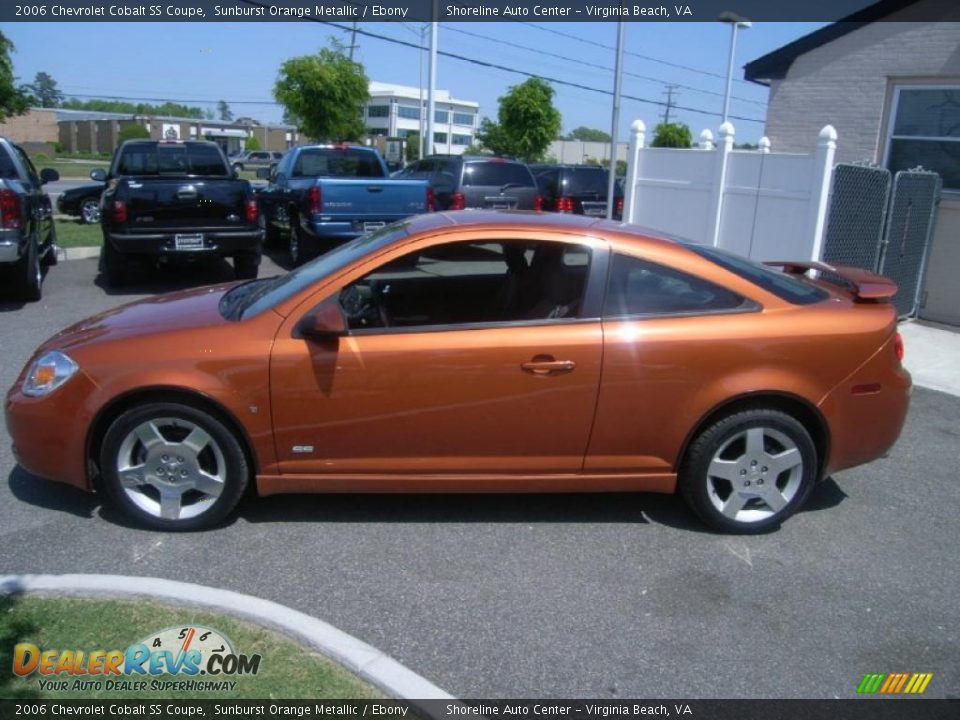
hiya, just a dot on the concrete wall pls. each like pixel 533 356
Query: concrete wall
pixel 38 125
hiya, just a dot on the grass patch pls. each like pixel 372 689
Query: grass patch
pixel 73 233
pixel 287 669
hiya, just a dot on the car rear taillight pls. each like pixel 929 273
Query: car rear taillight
pixel 457 201
pixel 119 211
pixel 898 347
pixel 565 205
pixel 253 210
pixel 538 203
pixel 11 213
pixel 430 205
pixel 619 206
pixel 315 200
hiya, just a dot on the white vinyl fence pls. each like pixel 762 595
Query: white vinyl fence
pixel 765 205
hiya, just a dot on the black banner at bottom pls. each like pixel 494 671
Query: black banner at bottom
pixel 865 709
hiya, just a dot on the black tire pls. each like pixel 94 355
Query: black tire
pixel 246 267
pixel 28 274
pixel 237 167
pixel 50 252
pixel 89 211
pixel 221 456
pixel 113 264
pixel 749 471
pixel 295 247
pixel 271 238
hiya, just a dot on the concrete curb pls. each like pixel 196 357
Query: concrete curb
pixel 366 661
pixel 77 253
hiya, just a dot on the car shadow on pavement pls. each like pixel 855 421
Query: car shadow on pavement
pixel 50 495
pixel 151 279
pixel 633 508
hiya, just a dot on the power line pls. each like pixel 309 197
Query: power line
pixel 595 65
pixel 634 54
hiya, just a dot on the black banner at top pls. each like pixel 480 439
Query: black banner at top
pixel 474 10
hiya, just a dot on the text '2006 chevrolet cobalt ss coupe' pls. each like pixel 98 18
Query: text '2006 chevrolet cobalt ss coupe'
pixel 477 352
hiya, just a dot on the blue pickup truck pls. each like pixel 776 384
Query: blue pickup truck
pixel 321 195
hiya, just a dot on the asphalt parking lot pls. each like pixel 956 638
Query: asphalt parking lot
pixel 603 596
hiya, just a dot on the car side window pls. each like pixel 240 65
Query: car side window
pixel 640 287
pixel 28 164
pixel 471 283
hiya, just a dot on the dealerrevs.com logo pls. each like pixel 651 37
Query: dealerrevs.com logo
pixel 186 652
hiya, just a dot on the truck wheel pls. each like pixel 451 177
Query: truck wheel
pixel 29 274
pixel 297 243
pixel 268 230
pixel 50 255
pixel 245 267
pixel 113 265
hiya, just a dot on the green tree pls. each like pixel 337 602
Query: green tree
pixel 13 100
pixel 136 131
pixel 324 94
pixel 168 109
pixel 224 111
pixel 412 150
pixel 588 135
pixel 672 135
pixel 527 122
pixel 44 91
pixel 252 143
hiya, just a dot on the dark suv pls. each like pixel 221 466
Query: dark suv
pixel 578 189
pixel 475 181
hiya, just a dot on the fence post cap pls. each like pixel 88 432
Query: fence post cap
pixel 726 130
pixel 706 136
pixel 764 144
pixel 638 126
pixel 827 135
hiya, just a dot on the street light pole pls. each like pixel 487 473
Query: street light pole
pixel 735 21
pixel 615 121
pixel 432 82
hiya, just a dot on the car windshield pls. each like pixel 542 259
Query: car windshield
pixel 171 159
pixel 283 287
pixel 786 287
pixel 496 173
pixel 580 181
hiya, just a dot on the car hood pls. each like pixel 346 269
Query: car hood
pixel 83 190
pixel 184 310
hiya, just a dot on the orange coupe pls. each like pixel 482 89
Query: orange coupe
pixel 477 352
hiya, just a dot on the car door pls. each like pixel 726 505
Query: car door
pixel 465 368
pixel 40 209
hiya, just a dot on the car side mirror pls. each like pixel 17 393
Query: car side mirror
pixel 48 175
pixel 324 322
pixel 98 175
pixel 264 173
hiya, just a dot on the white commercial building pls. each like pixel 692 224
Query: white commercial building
pixel 397 111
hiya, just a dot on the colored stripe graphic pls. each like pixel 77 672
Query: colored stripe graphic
pixel 894 683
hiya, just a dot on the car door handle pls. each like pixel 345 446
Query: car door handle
pixel 546 365
pixel 187 193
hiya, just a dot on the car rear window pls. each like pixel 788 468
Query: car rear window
pixel 172 159
pixel 497 174
pixel 337 163
pixel 578 181
pixel 8 171
pixel 786 287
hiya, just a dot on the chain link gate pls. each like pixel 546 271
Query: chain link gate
pixel 913 211
pixel 884 229
pixel 858 212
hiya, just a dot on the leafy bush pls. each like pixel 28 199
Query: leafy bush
pixel 252 144
pixel 134 132
pixel 672 135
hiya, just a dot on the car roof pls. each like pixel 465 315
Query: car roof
pixel 530 219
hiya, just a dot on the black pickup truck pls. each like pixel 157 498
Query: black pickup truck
pixel 176 200
pixel 28 238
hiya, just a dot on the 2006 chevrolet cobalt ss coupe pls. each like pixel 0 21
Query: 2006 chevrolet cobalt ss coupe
pixel 476 352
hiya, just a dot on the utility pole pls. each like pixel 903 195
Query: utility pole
pixel 353 39
pixel 615 119
pixel 666 112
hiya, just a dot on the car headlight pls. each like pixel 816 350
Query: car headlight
pixel 48 372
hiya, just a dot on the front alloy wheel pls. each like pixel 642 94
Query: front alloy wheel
pixel 749 471
pixel 173 467
pixel 90 211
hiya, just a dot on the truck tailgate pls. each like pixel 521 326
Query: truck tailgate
pixel 372 198
pixel 155 204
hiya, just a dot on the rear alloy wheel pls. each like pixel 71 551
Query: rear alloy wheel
pixel 29 274
pixel 172 466
pixel 749 471
pixel 90 211
pixel 295 244
pixel 246 267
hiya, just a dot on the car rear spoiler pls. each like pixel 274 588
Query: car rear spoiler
pixel 864 284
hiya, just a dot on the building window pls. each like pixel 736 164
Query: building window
pixel 440 137
pixel 463 119
pixel 925 131
pixel 462 139
pixel 441 116
pixel 378 111
pixel 404 133
pixel 406 111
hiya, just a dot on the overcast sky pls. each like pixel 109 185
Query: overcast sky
pixel 200 63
